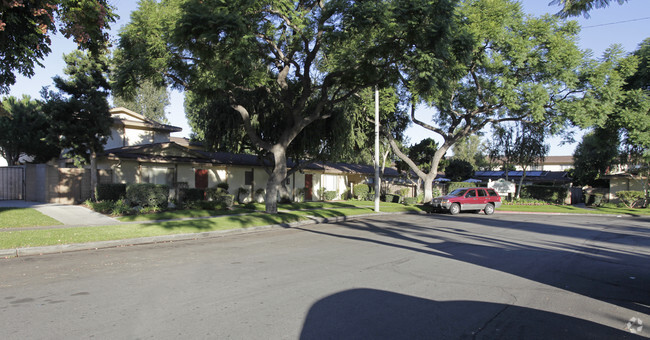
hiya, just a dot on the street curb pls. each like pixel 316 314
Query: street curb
pixel 65 248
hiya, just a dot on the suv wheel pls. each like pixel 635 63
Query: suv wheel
pixel 489 209
pixel 454 209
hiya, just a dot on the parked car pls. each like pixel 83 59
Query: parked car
pixel 465 199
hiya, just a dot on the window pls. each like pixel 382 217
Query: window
pixel 471 193
pixel 481 192
pixel 157 175
pixel 330 182
pixel 248 178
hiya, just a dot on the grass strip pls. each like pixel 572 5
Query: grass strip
pixel 178 214
pixel 36 238
pixel 574 209
pixel 24 217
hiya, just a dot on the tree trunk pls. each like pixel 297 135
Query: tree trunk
pixel 278 175
pixel 93 176
pixel 521 182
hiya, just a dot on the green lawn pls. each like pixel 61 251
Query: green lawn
pixel 34 238
pixel 573 209
pixel 239 217
pixel 24 217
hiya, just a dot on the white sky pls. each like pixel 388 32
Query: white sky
pixel 626 25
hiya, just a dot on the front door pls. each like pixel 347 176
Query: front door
pixel 201 179
pixel 308 187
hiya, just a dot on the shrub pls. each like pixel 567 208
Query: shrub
pixel 242 195
pixel 193 194
pixel 259 195
pixel 223 185
pixel 110 192
pixel 102 207
pixel 593 199
pixel 629 198
pixel 121 207
pixel 392 198
pixel 545 193
pixel 300 195
pixel 148 195
pixel 410 200
pixel 404 192
pixel 361 191
pixel 455 185
pixel 330 195
pixel 345 195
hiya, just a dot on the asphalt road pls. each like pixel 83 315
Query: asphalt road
pixel 402 277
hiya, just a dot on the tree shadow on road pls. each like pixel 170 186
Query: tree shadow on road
pixel 378 314
pixel 595 257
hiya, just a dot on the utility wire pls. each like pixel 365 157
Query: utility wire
pixel 616 23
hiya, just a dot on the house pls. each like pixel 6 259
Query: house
pixel 143 151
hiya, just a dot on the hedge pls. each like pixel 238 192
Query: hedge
pixel 545 193
pixel 629 198
pixel 192 194
pixel 146 194
pixel 110 192
pixel 410 200
pixel 361 191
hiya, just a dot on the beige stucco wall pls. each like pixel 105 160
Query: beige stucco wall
pixel 623 184
pixel 115 140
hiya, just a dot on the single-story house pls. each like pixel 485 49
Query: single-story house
pixel 141 151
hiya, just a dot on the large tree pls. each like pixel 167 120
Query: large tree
pixel 595 155
pixel 520 68
pixel 295 60
pixel 24 130
pixel 26 27
pixel 149 100
pixel 78 113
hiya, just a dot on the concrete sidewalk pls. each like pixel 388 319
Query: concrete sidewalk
pixel 66 214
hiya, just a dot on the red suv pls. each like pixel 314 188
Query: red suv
pixel 463 199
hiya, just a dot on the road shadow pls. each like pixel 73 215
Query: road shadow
pixel 591 258
pixel 378 314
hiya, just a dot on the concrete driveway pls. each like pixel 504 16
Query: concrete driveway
pixel 66 214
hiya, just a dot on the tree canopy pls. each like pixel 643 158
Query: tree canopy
pixel 149 100
pixel 295 61
pixel 26 27
pixel 78 113
pixel 520 68
pixel 24 130
pixel 573 8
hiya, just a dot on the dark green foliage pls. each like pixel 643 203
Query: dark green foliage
pixel 110 192
pixel 594 155
pixel 26 28
pixel 24 129
pixel 361 191
pixel 555 195
pixel 458 170
pixel 455 185
pixel 102 207
pixel 422 154
pixel 223 185
pixel 146 194
pixel 78 113
pixel 392 198
pixel 193 194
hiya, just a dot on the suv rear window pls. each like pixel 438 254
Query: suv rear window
pixel 492 192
